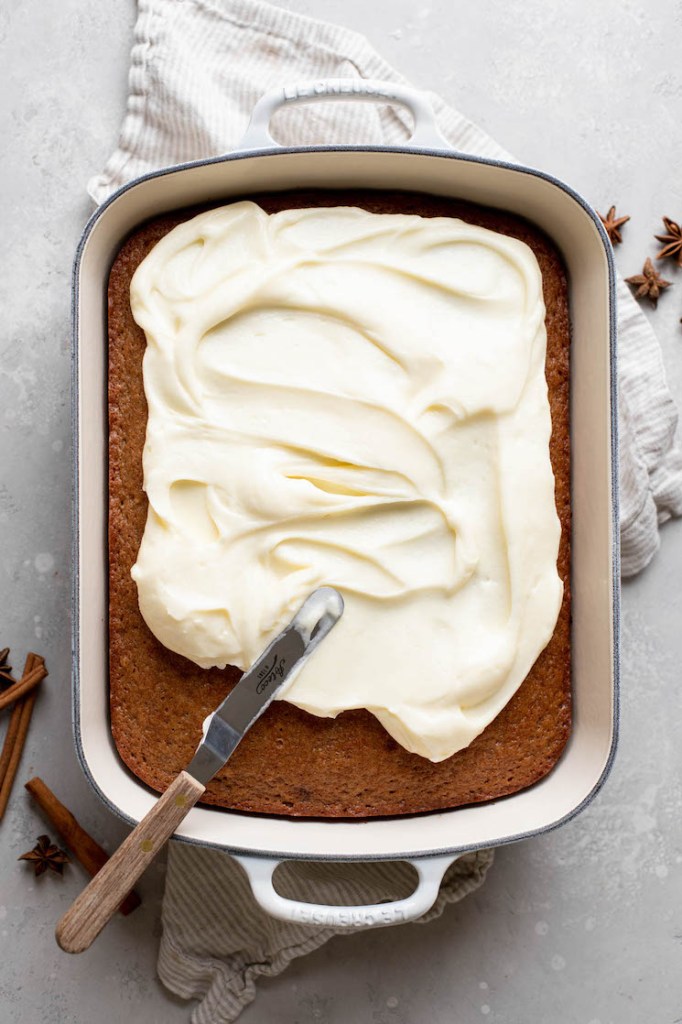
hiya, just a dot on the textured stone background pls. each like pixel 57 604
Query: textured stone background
pixel 583 925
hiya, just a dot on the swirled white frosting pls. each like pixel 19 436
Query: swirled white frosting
pixel 354 399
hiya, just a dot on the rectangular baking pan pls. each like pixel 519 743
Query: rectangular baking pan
pixel 426 164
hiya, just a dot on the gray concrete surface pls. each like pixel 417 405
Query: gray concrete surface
pixel 583 926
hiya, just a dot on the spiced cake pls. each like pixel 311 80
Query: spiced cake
pixel 294 762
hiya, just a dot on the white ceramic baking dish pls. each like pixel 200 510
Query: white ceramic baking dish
pixel 426 164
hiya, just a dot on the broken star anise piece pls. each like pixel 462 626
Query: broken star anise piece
pixel 672 242
pixel 613 225
pixel 649 283
pixel 45 855
pixel 5 669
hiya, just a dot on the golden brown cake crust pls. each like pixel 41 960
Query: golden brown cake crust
pixel 293 763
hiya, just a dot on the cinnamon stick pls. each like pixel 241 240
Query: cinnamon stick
pixel 33 662
pixel 28 682
pixel 10 739
pixel 86 849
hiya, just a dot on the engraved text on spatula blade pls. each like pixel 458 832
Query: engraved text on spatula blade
pixel 246 702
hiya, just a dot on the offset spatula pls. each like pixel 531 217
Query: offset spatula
pixel 223 730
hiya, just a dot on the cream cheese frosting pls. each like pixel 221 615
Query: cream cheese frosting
pixel 353 399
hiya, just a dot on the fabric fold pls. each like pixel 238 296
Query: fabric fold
pixel 217 942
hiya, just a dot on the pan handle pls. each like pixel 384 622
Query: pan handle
pixel 430 871
pixel 425 134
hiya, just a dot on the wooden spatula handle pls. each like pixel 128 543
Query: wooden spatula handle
pixel 88 914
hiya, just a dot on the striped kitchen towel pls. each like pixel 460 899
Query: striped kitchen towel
pixel 198 67
pixel 217 941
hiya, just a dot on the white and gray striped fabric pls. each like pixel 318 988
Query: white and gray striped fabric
pixel 217 941
pixel 198 67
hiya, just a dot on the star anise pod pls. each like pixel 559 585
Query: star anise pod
pixel 649 283
pixel 45 855
pixel 672 242
pixel 613 225
pixel 5 669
